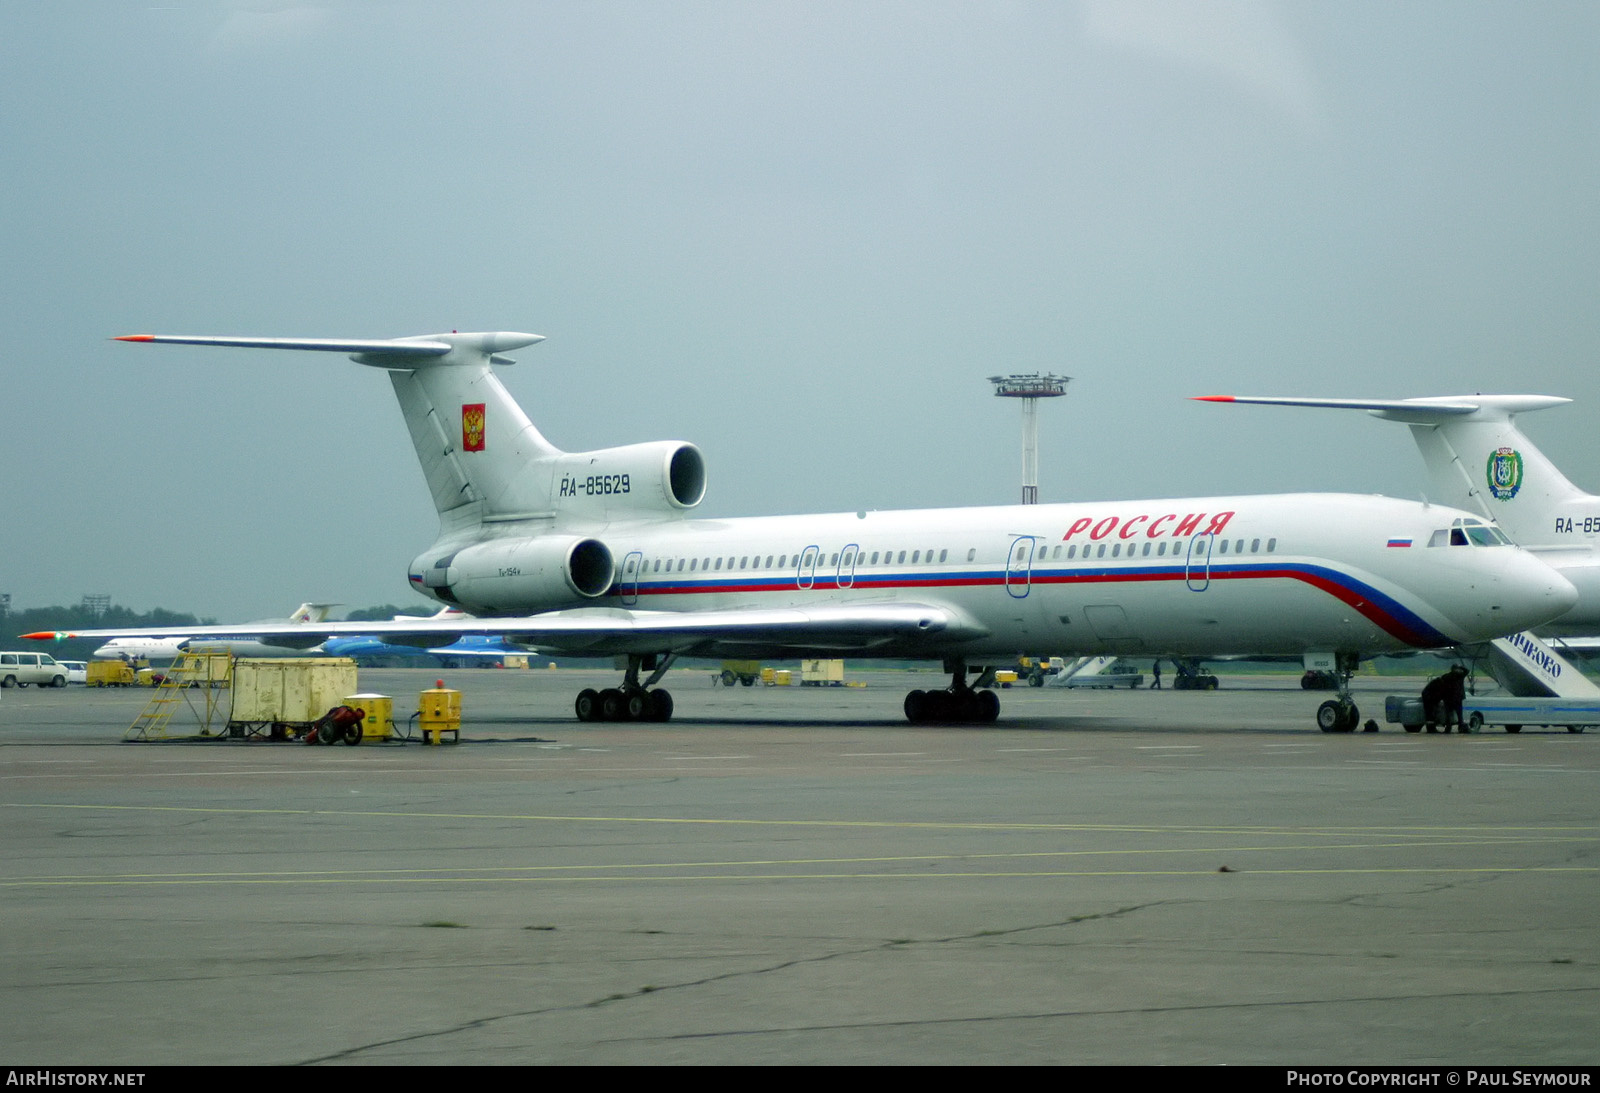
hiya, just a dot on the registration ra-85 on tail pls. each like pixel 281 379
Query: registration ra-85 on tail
pixel 598 554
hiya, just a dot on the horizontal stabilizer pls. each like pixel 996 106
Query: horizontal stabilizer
pixel 393 347
pixel 1420 410
pixel 385 352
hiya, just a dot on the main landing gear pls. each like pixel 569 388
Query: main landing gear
pixel 959 704
pixel 1340 714
pixel 633 701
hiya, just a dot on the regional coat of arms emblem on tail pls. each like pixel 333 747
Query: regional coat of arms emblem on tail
pixel 472 426
pixel 1505 473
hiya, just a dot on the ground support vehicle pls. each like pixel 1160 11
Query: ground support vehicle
pixel 1573 714
pixel 739 671
pixel 110 673
pixel 1118 675
pixel 21 669
pixel 283 697
pixel 821 673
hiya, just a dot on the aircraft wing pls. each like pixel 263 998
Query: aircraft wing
pixel 611 631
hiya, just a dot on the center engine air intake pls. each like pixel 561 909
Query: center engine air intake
pixel 663 476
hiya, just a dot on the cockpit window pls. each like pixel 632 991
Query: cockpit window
pixel 1469 533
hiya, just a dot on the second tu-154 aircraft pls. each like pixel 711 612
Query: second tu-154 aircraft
pixel 596 554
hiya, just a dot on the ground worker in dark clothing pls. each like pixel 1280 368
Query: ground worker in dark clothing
pixel 1442 699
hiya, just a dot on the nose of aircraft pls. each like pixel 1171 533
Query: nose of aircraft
pixel 1525 593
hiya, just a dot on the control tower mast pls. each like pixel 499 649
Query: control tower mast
pixel 1030 388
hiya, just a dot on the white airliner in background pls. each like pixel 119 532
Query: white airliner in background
pixel 594 553
pixel 147 646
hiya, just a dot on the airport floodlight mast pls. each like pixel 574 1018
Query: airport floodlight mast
pixel 1030 388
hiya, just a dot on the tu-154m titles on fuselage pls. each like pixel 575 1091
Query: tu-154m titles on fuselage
pixel 596 553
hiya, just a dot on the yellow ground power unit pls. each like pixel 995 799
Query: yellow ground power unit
pixel 439 712
pixel 379 722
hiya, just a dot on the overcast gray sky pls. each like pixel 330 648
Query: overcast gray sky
pixel 798 234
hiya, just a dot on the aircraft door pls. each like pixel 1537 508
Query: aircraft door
pixel 1197 570
pixel 1019 566
pixel 628 586
pixel 846 575
pixel 806 569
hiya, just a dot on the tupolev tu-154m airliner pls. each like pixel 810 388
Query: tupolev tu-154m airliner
pixel 596 554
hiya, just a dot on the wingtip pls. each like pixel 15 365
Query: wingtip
pixel 45 635
pixel 1211 398
pixel 134 338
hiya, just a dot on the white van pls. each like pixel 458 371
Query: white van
pixel 21 669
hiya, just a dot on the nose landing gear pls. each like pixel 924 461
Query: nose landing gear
pixel 1339 714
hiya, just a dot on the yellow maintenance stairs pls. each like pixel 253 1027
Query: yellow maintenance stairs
pixel 196 680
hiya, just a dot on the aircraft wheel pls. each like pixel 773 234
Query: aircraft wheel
pixel 611 704
pixel 659 706
pixel 587 705
pixel 634 705
pixel 1330 717
pixel 1352 718
pixel 916 707
pixel 988 707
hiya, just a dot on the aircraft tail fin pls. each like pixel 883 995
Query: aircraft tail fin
pixel 1479 460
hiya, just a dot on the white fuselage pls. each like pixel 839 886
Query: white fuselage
pixel 1245 574
pixel 170 648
